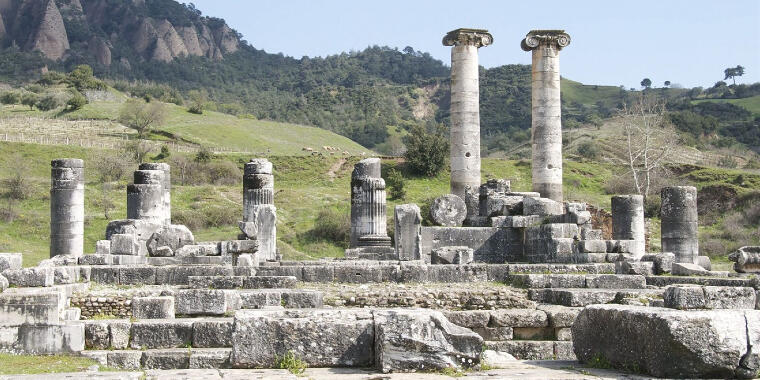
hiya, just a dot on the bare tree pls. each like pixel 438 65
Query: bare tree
pixel 109 168
pixel 649 139
pixel 142 116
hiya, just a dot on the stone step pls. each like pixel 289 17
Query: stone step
pixel 584 297
pixel 225 301
pixel 242 282
pixel 155 275
pixel 593 268
pixel 598 281
pixel 121 334
pixel 172 358
pixel 663 281
pixel 534 349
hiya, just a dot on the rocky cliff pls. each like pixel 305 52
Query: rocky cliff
pixel 111 30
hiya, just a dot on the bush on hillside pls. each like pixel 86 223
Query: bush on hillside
pixel 395 184
pixel 10 97
pixel 588 150
pixel 141 116
pixel 76 102
pixel 426 150
pixel 334 225
pixel 29 99
pixel 49 102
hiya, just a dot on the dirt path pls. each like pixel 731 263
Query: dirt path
pixel 335 167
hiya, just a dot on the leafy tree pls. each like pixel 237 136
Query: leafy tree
pixel 733 72
pixel 49 102
pixel 142 116
pixel 588 149
pixel 82 79
pixel 667 83
pixel 426 150
pixel 29 99
pixel 395 182
pixel 10 97
pixel 198 100
pixel 646 83
pixel 76 102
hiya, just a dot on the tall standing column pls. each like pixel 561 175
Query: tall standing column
pixel 678 212
pixel 628 221
pixel 258 205
pixel 546 130
pixel 465 107
pixel 368 214
pixel 166 183
pixel 67 207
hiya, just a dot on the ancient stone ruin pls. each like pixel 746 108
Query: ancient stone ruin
pixel 527 275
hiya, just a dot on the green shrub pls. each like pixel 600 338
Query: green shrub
pixel 292 363
pixel 76 102
pixel 395 183
pixel 29 99
pixel 10 97
pixel 588 150
pixel 49 102
pixel 332 224
pixel 426 150
pixel 204 155
pixel 165 153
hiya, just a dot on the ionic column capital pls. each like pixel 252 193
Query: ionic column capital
pixel 465 36
pixel 553 38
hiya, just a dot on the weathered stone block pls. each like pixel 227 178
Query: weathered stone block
pixel 336 337
pixel 614 281
pixel 213 332
pixel 670 343
pixel 4 284
pixel 96 335
pixel 120 332
pixel 161 334
pixel 125 359
pixel 51 339
pixel 746 259
pixel 469 318
pixel 172 236
pixel 16 309
pixel 95 259
pixel 688 269
pixel 129 275
pixel 10 261
pixel 416 339
pixel 709 297
pixel 124 244
pixel 408 232
pixel 102 247
pixel 518 318
pixel 452 255
pixel 210 358
pixel 153 307
pixel 105 274
pixel 30 277
pixel 541 207
pixel 166 359
pixel 198 250
pixel 205 302
pixel 592 246
pixel 448 210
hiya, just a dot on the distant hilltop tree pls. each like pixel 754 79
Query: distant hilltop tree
pixel 646 83
pixel 667 83
pixel 733 72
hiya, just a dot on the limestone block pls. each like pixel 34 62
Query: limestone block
pixel 250 229
pixel 448 210
pixel 616 281
pixel 103 247
pixel 247 260
pixel 242 246
pixel 210 358
pixel 452 255
pixel 141 229
pixel 592 246
pixel 205 302
pixel 30 277
pixel 644 268
pixel 105 275
pixel 709 297
pixel 153 307
pixel 552 231
pixel 3 283
pixel 96 335
pixel 172 236
pixel 541 207
pixel 495 333
pixel 10 261
pixel 687 269
pixel 161 334
pixel 469 318
pixel 95 259
pixel 746 259
pixel 198 251
pixel 213 332
pixel 265 217
pixel 130 360
pixel 519 318
pixel 704 262
pixel 128 260
pixel 17 309
pixel 502 205
pixel 178 275
pixel 120 332
pixel 591 234
pixel 417 339
pixel 166 359
pixel 335 337
pixel 663 262
pixel 66 275
pixel 137 275
pixel 51 339
pixel 670 343
pixel 124 244
pixel 408 232
pixel 560 316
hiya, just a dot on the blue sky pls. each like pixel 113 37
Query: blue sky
pixel 613 42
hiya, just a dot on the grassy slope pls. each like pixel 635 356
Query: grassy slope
pixel 573 91
pixel 751 104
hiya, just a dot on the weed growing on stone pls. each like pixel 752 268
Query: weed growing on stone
pixel 599 361
pixel 98 317
pixel 292 363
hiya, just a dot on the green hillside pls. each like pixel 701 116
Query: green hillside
pixel 751 104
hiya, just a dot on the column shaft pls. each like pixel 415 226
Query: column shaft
pixel 465 119
pixel 546 128
pixel 67 207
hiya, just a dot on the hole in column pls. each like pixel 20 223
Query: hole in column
pixel 550 166
pixel 467 154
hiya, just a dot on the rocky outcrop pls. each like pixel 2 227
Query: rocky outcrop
pixel 49 35
pixel 41 25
